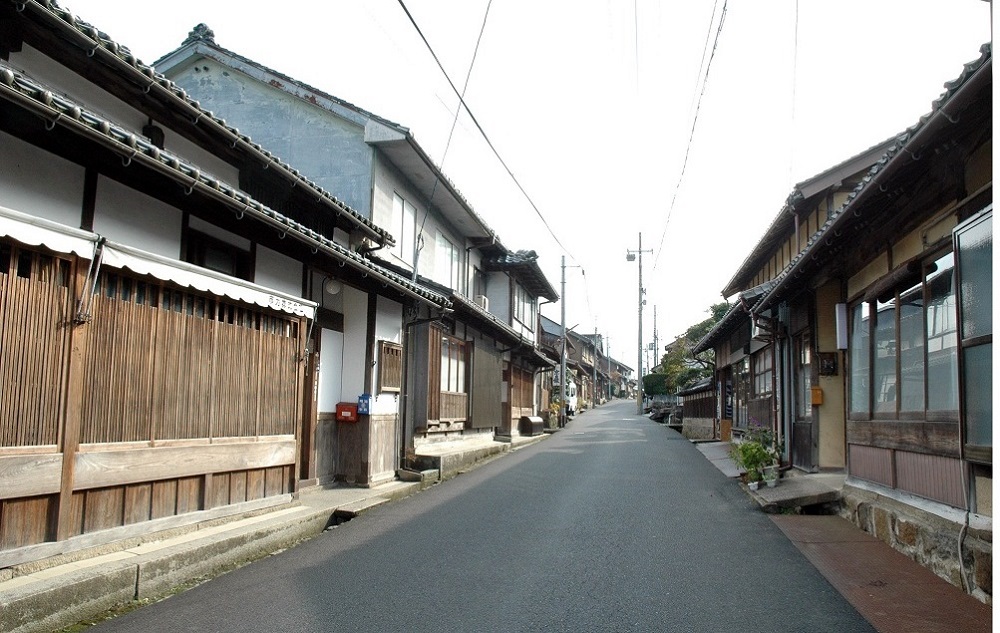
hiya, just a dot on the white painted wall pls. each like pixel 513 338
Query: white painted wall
pixel 498 292
pixel 81 90
pixel 278 271
pixel 355 333
pixel 331 371
pixel 388 327
pixel 39 183
pixel 127 216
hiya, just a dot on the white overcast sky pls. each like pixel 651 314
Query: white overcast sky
pixel 590 104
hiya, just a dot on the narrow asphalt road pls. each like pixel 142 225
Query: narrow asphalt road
pixel 614 523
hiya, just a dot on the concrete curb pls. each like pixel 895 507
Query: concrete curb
pixel 65 589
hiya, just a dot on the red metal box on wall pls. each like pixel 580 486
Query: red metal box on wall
pixel 347 412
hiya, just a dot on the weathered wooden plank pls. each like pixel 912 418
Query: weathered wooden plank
pixel 138 503
pixel 106 468
pixel 103 508
pixel 935 438
pixel 164 502
pixel 190 494
pixel 25 521
pixel 30 475
pixel 255 485
pixel 237 487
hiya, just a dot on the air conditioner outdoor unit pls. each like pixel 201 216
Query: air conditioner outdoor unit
pixel 483 302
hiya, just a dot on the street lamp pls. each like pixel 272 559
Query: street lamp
pixel 630 255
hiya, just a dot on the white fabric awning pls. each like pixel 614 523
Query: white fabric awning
pixel 191 276
pixel 36 231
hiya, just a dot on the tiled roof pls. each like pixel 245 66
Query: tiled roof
pixel 59 110
pixel 204 36
pixel 878 172
pixel 524 266
pixel 781 227
pixel 88 37
pixel 736 314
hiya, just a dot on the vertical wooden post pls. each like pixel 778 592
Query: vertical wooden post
pixel 73 409
pixel 305 408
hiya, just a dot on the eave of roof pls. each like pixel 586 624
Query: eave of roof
pixel 95 42
pixel 59 110
pixel 802 196
pixel 395 141
pixel 973 75
pixel 736 314
pixel 524 266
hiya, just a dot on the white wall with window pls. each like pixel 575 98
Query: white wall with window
pixel 403 227
pixel 524 307
pixel 446 262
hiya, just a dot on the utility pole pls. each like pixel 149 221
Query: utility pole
pixel 594 389
pixel 656 340
pixel 610 386
pixel 563 399
pixel 630 256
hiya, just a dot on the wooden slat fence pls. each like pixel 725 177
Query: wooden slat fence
pixel 164 364
pixel 35 301
pixel 184 402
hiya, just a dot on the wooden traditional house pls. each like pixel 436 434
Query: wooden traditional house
pixel 160 275
pixel 766 372
pixel 699 411
pixel 899 287
pixel 487 341
pixel 861 337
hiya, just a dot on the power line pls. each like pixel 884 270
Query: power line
pixel 694 124
pixel 454 120
pixel 481 130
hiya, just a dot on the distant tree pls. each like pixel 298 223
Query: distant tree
pixel 655 384
pixel 680 367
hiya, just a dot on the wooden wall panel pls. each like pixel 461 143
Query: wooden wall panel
pixel 74 517
pixel 237 487
pixel 255 485
pixel 30 475
pixel 164 502
pixel 138 503
pixel 487 387
pixel 190 494
pixel 217 494
pixel 274 481
pixel 24 521
pixel 103 508
pixel 868 462
pixel 98 468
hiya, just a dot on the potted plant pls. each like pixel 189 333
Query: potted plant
pixel 752 456
pixel 770 475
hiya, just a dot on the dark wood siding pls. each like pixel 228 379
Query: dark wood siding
pixel 487 381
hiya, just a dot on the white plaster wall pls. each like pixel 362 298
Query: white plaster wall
pixel 498 292
pixel 355 334
pixel 132 218
pixel 95 99
pixel 36 182
pixel 388 327
pixel 331 371
pixel 278 271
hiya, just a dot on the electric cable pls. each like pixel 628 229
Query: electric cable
pixel 451 133
pixel 694 124
pixel 482 132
